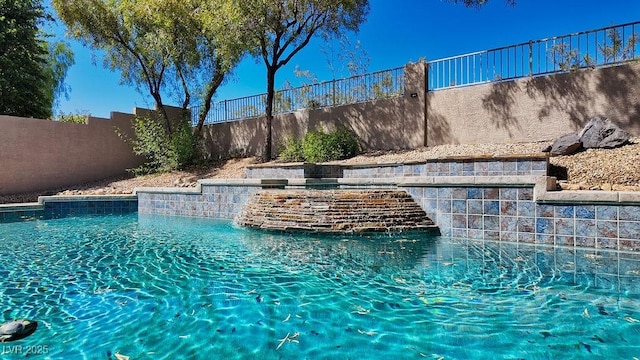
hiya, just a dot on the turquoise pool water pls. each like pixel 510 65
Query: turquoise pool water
pixel 176 288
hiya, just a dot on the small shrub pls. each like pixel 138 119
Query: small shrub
pixel 346 142
pixel 318 146
pixel 292 151
pixel 164 152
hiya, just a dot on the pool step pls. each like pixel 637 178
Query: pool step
pixel 335 211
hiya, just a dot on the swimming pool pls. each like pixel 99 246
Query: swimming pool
pixel 153 287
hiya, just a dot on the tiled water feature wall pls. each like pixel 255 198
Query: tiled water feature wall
pixel 507 199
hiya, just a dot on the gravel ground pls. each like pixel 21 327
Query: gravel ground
pixel 594 169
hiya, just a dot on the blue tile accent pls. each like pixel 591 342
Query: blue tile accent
pixel 544 226
pixel 510 167
pixel 492 208
pixel 431 193
pixel 492 223
pixel 526 208
pixel 565 226
pixel 475 207
pixel 565 240
pixel 585 212
pixel 524 167
pixel 474 193
pixel 630 213
pixel 629 230
pixel 509 223
pixel 586 228
pixel 459 207
pixel 457 169
pixel 606 212
pixel 508 194
pixel 545 239
pixel 564 211
pixel 444 206
pixel 444 193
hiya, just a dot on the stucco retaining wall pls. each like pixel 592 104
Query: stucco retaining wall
pixel 523 110
pixel 534 109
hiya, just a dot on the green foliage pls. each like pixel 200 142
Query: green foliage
pixel 164 152
pixel 318 146
pixel 59 60
pixel 177 47
pixel 614 49
pixel 292 151
pixel 24 82
pixel 79 118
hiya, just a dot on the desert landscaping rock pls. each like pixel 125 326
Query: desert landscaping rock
pixel 566 144
pixel 601 133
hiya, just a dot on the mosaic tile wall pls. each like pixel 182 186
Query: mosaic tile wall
pixel 493 167
pixel 608 270
pixel 510 214
pixel 215 201
pixel 468 167
pixel 66 208
pixel 302 171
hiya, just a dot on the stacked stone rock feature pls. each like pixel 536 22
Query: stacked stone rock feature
pixel 335 211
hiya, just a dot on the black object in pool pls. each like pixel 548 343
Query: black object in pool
pixel 17 329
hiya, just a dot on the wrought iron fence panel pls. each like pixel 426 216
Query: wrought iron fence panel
pixel 588 49
pixel 338 92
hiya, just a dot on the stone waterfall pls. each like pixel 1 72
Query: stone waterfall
pixel 335 211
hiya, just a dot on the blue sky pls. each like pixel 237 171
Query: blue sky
pixel 395 33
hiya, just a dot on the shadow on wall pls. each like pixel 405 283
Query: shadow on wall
pixel 622 94
pixel 438 130
pixel 380 124
pixel 235 138
pixel 500 103
pixel 577 97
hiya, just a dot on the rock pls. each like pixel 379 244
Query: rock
pixel 606 187
pixel 601 133
pixel 546 148
pixel 566 144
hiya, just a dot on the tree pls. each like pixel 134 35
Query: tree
pixel 280 29
pixel 59 60
pixel 24 80
pixel 165 46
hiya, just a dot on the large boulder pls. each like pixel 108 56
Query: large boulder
pixel 565 145
pixel 602 133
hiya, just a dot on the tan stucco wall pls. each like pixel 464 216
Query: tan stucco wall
pixel 534 109
pixel 38 155
pixel 393 123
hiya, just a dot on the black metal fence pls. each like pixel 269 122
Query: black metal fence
pixel 594 48
pixel 351 90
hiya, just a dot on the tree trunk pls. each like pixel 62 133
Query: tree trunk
pixel 271 77
pixel 217 79
pixel 163 113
